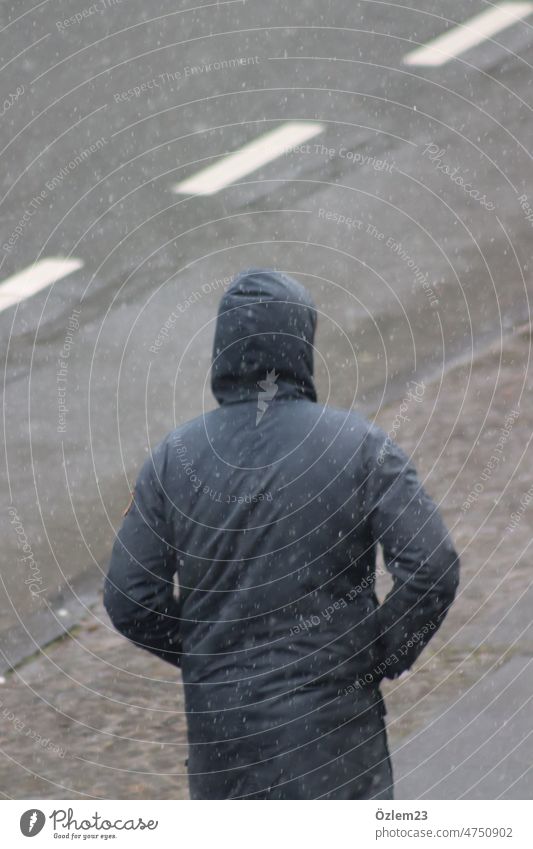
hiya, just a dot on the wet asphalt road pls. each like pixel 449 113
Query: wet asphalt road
pixel 148 252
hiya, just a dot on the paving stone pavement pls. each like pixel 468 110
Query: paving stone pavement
pixel 91 717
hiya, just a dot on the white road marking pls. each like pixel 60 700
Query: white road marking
pixel 34 278
pixel 472 32
pixel 249 158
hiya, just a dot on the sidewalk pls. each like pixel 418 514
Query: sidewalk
pixel 92 717
pixel 460 723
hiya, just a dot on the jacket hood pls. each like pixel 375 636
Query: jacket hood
pixel 264 339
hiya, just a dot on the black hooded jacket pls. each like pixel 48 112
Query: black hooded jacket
pixel 269 509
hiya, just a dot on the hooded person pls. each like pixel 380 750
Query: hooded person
pixel 269 509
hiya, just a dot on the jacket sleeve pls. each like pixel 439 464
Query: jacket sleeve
pixel 139 588
pixel 418 554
